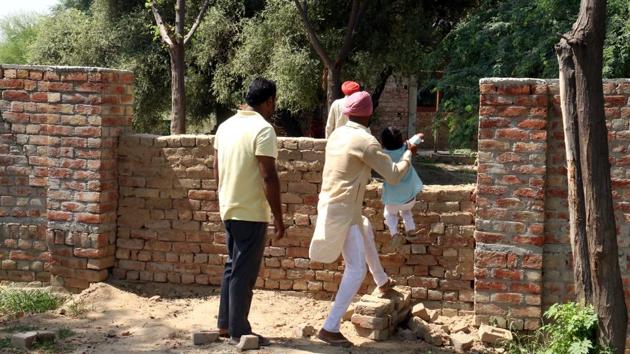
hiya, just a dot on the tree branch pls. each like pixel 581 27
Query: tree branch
pixel 202 13
pixel 355 14
pixel 164 33
pixel 312 37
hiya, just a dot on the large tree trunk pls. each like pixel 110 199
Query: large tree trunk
pixel 586 41
pixel 333 85
pixel 176 47
pixel 178 90
pixel 577 217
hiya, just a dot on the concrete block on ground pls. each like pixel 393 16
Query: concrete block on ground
pixel 248 342
pixel 349 312
pixel 462 341
pixel 399 295
pixel 304 330
pixel 426 314
pixel 24 340
pixel 46 336
pixel 494 335
pixel 374 334
pixel 460 326
pixel 370 322
pixel 205 337
pixel 376 309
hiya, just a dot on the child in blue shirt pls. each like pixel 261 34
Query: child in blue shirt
pixel 399 198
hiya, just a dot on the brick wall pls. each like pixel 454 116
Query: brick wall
pixel 169 228
pixel 58 183
pixel 523 257
pixel 393 110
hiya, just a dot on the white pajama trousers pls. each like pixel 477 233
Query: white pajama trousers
pixel 391 216
pixel 358 249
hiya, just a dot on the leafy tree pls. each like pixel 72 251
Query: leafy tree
pixel 16 33
pixel 512 39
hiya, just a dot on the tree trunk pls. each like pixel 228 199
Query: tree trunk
pixel 178 90
pixel 380 87
pixel 333 85
pixel 586 41
pixel 577 217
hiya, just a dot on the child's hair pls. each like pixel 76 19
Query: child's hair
pixel 392 138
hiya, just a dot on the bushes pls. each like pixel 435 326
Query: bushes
pixel 571 329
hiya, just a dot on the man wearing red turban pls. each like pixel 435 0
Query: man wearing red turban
pixel 336 117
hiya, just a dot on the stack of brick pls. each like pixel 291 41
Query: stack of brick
pixel 59 131
pixel 377 316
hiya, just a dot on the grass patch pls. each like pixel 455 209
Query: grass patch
pixel 13 301
pixel 77 308
pixel 63 333
pixel 5 343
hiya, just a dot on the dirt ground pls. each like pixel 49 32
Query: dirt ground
pixel 130 318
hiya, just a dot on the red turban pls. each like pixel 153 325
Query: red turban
pixel 350 87
pixel 358 104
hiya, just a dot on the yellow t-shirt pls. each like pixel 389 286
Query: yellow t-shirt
pixel 238 141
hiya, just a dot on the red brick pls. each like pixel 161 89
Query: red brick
pixel 515 111
pixel 490 259
pixel 515 90
pixel 512 134
pixel 488 237
pixel 21 256
pixel 535 124
pixel 487 89
pixel 527 288
pixel 530 193
pixel 532 261
pixel 430 283
pixel 14 95
pixel 529 240
pixel 508 274
pixel 54 215
pixel 490 285
pixel 11 84
pixel 512 298
pixel 202 195
pixel 509 157
pixel 493 190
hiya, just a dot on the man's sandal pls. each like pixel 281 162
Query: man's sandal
pixel 389 285
pixel 334 338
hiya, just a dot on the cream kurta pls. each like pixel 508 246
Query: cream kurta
pixel 351 153
pixel 336 118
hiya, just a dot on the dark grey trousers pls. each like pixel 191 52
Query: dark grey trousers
pixel 245 245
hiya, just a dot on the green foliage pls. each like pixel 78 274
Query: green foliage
pixel 571 329
pixel 272 45
pixel 17 32
pixel 13 301
pixel 513 39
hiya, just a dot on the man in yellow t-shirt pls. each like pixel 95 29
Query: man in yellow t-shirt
pixel 249 192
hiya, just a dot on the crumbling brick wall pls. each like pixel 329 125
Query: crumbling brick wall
pixel 169 229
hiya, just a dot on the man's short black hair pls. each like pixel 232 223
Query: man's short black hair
pixel 259 91
pixel 392 138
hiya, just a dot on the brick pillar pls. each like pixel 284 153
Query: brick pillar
pixel 510 202
pixel 71 118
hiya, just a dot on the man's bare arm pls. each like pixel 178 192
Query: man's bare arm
pixel 271 185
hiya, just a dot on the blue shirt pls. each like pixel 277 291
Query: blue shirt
pixel 408 187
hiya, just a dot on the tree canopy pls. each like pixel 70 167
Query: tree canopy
pixel 448 45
